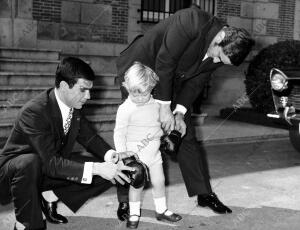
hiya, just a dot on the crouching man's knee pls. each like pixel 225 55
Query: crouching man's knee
pixel 28 167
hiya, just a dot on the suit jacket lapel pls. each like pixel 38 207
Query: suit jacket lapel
pixel 201 44
pixel 212 30
pixel 73 132
pixel 208 65
pixel 56 114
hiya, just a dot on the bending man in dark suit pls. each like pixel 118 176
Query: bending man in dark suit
pixel 38 154
pixel 183 50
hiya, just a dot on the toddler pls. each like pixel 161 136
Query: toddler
pixel 138 129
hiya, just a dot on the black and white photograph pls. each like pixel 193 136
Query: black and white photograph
pixel 149 114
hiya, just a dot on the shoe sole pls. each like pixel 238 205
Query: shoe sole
pixel 206 206
pixel 165 220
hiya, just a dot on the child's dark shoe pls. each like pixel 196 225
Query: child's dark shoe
pixel 172 218
pixel 133 221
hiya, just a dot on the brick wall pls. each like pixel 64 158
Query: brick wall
pixel 228 8
pixel 111 20
pixel 46 10
pixel 283 27
pixel 279 25
pixel 75 20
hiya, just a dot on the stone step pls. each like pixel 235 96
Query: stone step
pixel 33 54
pixel 99 92
pixel 102 123
pixel 27 79
pixel 106 79
pixel 102 106
pixel 9 110
pixel 46 79
pixel 100 64
pixel 27 65
pixel 20 93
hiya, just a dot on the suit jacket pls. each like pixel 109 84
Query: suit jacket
pixel 175 48
pixel 38 129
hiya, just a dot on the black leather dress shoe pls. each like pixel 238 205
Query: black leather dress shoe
pixel 49 210
pixel 212 201
pixel 123 211
pixel 172 218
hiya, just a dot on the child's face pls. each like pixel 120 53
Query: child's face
pixel 140 98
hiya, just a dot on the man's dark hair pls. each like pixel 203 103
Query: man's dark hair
pixel 236 44
pixel 70 69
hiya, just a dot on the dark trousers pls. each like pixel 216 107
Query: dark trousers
pixel 191 158
pixel 21 179
pixel 193 162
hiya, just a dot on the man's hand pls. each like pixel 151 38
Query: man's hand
pixel 111 171
pixel 166 118
pixel 180 124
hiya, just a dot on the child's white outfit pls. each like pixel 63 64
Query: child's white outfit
pixel 138 129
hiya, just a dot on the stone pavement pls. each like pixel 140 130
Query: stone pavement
pixel 254 170
pixel 218 130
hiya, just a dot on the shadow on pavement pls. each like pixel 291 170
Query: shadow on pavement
pixel 247 219
pixel 233 159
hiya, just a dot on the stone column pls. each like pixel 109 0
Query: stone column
pixel 297 21
pixel 25 28
pixel 6 27
pixel 17 27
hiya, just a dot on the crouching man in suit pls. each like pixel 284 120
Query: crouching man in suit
pixel 37 165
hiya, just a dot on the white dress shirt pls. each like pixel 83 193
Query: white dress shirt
pixel 88 166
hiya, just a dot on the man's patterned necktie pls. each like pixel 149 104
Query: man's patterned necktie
pixel 68 122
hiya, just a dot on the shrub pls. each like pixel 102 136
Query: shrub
pixel 258 88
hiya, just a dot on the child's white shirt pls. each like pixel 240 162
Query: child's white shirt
pixel 136 123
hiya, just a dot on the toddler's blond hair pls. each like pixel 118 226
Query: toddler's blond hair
pixel 140 78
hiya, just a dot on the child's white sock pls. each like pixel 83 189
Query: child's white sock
pixel 134 209
pixel 49 196
pixel 161 206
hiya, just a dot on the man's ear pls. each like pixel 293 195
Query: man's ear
pixel 220 36
pixel 63 85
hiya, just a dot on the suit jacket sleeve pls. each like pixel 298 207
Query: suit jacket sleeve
pixel 182 30
pixel 191 89
pixel 37 129
pixel 89 138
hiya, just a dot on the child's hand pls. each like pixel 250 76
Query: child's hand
pixel 166 118
pixel 126 154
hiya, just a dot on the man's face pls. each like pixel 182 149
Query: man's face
pixel 216 52
pixel 77 96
